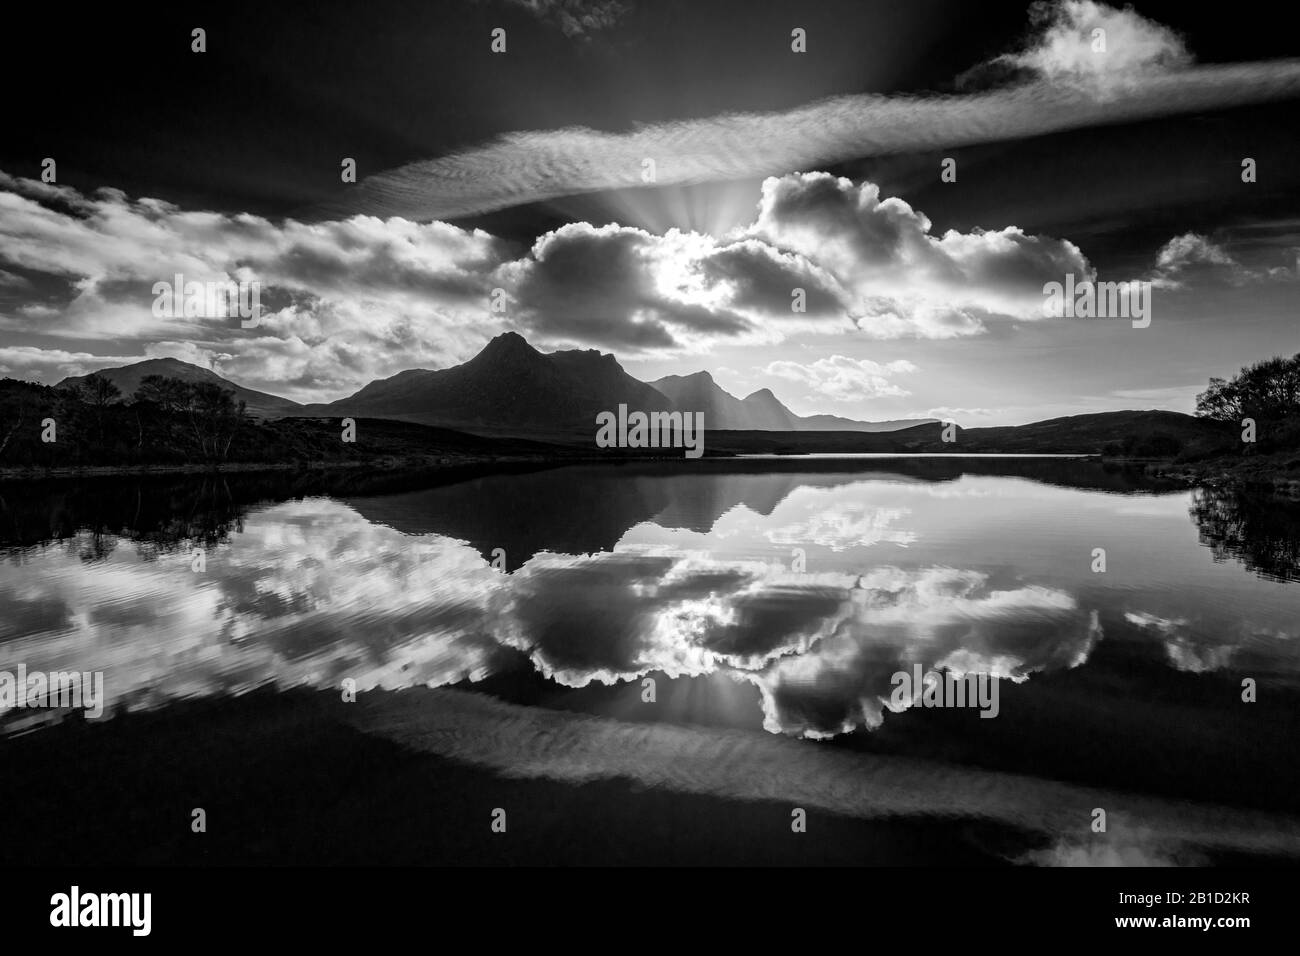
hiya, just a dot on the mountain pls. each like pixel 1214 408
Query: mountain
pixel 760 411
pixel 128 377
pixel 510 388
pixel 509 385
pixel 700 393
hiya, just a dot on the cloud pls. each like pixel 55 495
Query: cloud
pixel 624 288
pixel 13 282
pixel 902 279
pixel 855 256
pixel 1196 260
pixel 844 379
pixel 52 365
pixel 950 412
pixel 1097 46
pixel 1189 254
pixel 342 302
pixel 1062 84
pixel 577 18
pixel 347 301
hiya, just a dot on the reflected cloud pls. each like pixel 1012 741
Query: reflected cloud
pixel 847 525
pixel 935 617
pixel 688 576
pixel 309 592
pixel 1186 650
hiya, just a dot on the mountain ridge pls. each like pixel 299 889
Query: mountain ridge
pixel 510 386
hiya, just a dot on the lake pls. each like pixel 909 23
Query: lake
pixel 718 640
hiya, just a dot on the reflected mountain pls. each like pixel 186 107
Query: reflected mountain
pixel 311 592
pixel 806 585
pixel 583 509
pixel 523 509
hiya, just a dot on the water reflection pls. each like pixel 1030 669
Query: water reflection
pixel 613 574
pixel 1260 530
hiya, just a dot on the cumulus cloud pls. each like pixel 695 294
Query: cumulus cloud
pixel 844 251
pixel 1195 259
pixel 903 279
pixel 628 289
pixel 1096 46
pixel 347 301
pixel 1192 253
pixel 52 365
pixel 342 302
pixel 1061 83
pixel 844 379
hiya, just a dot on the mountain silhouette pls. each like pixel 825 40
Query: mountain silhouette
pixel 700 393
pixel 759 411
pixel 128 377
pixel 507 385
pixel 510 388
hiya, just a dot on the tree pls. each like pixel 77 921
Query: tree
pixel 15 407
pixel 98 391
pixel 1268 391
pixel 214 417
pixel 169 394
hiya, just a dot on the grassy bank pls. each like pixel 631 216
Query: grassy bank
pixel 1279 471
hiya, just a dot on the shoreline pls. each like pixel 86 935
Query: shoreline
pixel 1279 473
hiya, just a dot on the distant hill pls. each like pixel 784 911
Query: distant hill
pixel 759 411
pixel 1153 433
pixel 822 423
pixel 128 377
pixel 1130 434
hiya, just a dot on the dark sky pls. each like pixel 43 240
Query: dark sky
pixel 260 122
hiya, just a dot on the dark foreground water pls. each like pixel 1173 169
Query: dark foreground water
pixel 659 663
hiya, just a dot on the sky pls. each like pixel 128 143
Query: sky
pixel 657 181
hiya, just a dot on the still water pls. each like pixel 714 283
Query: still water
pixel 761 598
